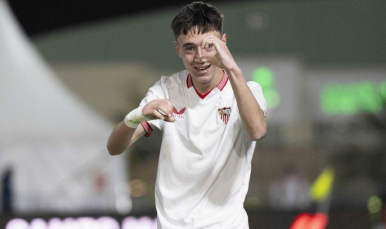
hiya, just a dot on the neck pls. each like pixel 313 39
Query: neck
pixel 203 88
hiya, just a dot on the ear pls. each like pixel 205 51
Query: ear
pixel 177 48
pixel 224 38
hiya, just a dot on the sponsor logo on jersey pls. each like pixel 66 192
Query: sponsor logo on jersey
pixel 180 113
pixel 224 113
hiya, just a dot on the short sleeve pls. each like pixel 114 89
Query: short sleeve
pixel 149 126
pixel 157 91
pixel 257 92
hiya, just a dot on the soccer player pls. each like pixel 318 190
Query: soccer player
pixel 210 119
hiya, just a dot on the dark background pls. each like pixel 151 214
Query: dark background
pixel 41 16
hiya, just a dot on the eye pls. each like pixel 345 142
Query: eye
pixel 210 46
pixel 189 49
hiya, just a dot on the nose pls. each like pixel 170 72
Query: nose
pixel 198 54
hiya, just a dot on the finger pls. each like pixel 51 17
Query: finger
pixel 170 119
pixel 210 40
pixel 158 115
pixel 169 107
pixel 165 110
pixel 160 111
pixel 205 40
pixel 207 44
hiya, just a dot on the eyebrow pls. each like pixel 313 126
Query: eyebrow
pixel 187 44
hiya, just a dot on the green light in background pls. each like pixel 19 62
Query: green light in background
pixel 369 100
pixel 374 205
pixel 328 101
pixel 338 99
pixel 349 99
pixel 382 90
pixel 264 76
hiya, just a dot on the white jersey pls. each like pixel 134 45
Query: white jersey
pixel 205 160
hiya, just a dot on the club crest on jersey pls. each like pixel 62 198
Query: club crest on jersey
pixel 224 113
pixel 179 114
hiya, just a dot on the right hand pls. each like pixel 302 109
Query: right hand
pixel 151 110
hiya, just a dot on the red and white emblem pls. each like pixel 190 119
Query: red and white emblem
pixel 224 113
pixel 179 114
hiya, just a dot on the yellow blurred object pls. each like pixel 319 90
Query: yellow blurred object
pixel 322 186
pixel 374 205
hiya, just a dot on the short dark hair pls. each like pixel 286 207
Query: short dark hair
pixel 198 17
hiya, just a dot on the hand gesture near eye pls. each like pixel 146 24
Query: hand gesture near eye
pixel 222 56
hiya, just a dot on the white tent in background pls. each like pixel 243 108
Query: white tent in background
pixel 55 145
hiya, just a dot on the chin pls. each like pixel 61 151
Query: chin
pixel 205 78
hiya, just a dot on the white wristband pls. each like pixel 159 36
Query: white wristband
pixel 134 118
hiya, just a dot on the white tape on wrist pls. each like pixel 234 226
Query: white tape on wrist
pixel 135 117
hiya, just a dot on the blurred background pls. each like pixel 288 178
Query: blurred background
pixel 71 70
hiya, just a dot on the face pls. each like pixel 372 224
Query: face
pixel 189 49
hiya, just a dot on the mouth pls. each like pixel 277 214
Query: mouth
pixel 202 69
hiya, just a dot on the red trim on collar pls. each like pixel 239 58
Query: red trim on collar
pixel 189 82
pixel 223 81
pixel 220 85
pixel 202 96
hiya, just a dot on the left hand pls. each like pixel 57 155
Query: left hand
pixel 222 57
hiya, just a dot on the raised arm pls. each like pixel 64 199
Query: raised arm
pixel 250 111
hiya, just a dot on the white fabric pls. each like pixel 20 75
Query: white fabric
pixel 205 164
pixel 54 144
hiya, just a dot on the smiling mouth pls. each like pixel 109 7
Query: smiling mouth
pixel 202 68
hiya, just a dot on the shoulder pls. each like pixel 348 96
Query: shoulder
pixel 176 79
pixel 254 85
pixel 162 87
pixel 257 90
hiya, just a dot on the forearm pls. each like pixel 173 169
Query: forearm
pixel 128 131
pixel 249 109
pixel 121 137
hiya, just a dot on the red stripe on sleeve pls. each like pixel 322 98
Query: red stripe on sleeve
pixel 147 127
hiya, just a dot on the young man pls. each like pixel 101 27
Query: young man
pixel 210 119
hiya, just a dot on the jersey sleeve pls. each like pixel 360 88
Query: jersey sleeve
pixel 257 92
pixel 157 91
